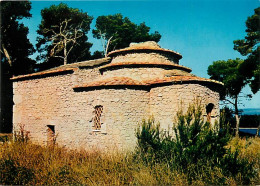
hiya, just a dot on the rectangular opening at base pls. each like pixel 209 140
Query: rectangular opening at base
pixel 50 134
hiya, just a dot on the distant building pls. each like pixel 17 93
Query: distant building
pixel 99 103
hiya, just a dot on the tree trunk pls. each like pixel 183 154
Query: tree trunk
pixel 65 60
pixel 65 52
pixel 108 42
pixel 237 117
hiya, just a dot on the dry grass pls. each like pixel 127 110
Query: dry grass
pixel 61 166
pixel 249 149
pixel 36 165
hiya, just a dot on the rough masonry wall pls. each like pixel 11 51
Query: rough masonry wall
pixel 145 57
pixel 136 73
pixel 85 75
pixel 42 102
pixel 166 101
pixel 52 101
pixel 123 109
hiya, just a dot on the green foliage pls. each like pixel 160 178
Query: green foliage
pixel 250 47
pixel 14 38
pixel 97 55
pixel 15 49
pixel 237 167
pixel 150 142
pixel 122 31
pixel 52 19
pixel 234 81
pixel 228 73
pixel 229 121
pixel 196 149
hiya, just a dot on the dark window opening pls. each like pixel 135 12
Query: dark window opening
pixel 50 134
pixel 97 118
pixel 209 109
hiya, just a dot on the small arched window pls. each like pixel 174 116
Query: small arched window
pixel 97 118
pixel 209 109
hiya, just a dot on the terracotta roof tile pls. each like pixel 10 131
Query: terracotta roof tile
pixel 111 82
pixel 68 67
pixel 42 73
pixel 176 79
pixel 168 64
pixel 126 81
pixel 145 48
pixel 88 63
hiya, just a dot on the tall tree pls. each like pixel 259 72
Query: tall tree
pixel 15 46
pixel 63 35
pixel 250 47
pixel 117 32
pixel 15 50
pixel 228 73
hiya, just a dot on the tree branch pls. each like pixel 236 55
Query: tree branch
pixel 229 101
pixel 65 36
pixel 59 57
pixel 108 42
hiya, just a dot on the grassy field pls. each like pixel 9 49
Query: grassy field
pixel 25 163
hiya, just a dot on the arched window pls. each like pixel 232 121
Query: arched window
pixel 209 109
pixel 97 117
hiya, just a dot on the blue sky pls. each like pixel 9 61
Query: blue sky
pixel 203 31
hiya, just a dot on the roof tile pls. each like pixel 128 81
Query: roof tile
pixel 169 64
pixel 146 48
pixel 42 73
pixel 117 81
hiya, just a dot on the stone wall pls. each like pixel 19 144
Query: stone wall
pixel 41 102
pixel 86 75
pixel 166 101
pixel 52 101
pixel 136 73
pixel 123 110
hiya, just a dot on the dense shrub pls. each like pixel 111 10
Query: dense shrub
pixel 228 117
pixel 196 149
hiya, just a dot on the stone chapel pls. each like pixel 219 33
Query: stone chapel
pixel 99 103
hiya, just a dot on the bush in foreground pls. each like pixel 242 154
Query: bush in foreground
pixel 196 150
